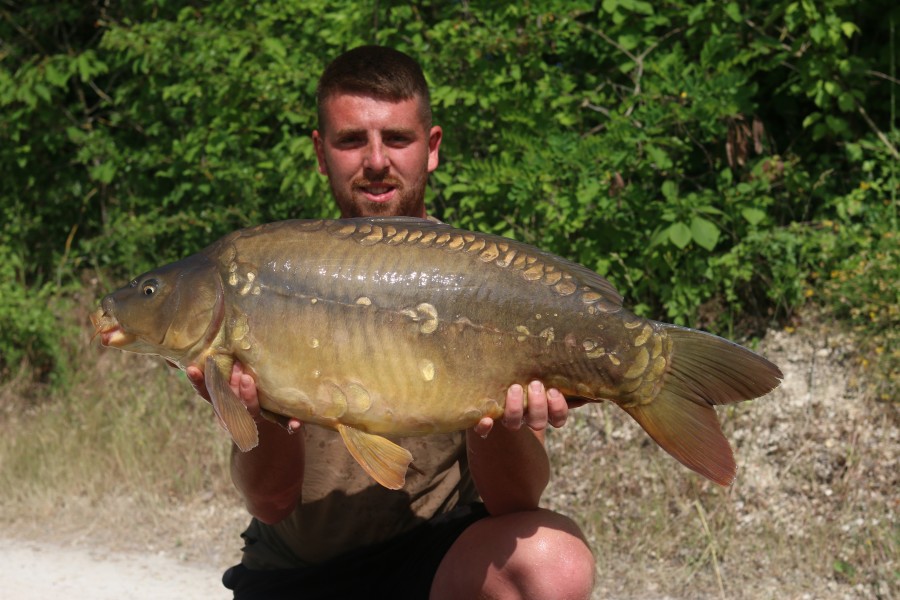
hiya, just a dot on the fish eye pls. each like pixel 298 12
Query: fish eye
pixel 149 287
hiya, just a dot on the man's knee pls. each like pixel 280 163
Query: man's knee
pixel 556 562
pixel 533 554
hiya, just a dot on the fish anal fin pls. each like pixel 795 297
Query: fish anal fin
pixel 690 432
pixel 228 406
pixel 382 459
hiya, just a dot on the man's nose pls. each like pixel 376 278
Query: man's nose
pixel 376 158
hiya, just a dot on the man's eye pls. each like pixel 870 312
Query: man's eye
pixel 398 140
pixel 350 142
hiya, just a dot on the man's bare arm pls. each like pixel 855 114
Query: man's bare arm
pixel 269 477
pixel 509 462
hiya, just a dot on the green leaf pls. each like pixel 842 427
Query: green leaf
pixel 104 172
pixel 275 48
pixel 849 28
pixel 659 157
pixel 55 76
pixel 817 33
pixel 629 41
pixel 669 190
pixel 43 91
pixel 734 12
pixel 643 8
pixel 846 102
pixel 754 216
pixel 679 234
pixel 610 6
pixel 811 119
pixel 704 232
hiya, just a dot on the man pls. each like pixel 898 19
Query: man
pixel 322 528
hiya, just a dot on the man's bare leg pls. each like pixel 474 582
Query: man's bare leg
pixel 529 555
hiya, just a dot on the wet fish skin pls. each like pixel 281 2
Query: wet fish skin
pixel 395 326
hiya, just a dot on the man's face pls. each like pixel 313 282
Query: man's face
pixel 377 155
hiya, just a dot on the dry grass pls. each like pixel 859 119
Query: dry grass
pixel 129 458
pixel 126 455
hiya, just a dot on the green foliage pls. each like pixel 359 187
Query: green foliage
pixel 31 333
pixel 691 153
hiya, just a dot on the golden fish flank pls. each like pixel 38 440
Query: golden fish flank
pixel 425 314
pixel 592 349
pixel 358 398
pixel 639 364
pixel 331 401
pixel 426 367
pixel 240 332
pixel 641 339
pixel 326 348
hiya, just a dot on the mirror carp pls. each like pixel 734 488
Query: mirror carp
pixel 399 327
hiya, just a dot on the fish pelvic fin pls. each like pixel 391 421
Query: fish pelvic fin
pixel 705 370
pixel 385 461
pixel 229 408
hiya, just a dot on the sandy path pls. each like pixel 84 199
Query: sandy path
pixel 38 570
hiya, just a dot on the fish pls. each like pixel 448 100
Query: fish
pixel 388 327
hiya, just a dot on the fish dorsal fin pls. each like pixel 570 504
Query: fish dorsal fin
pixel 228 406
pixel 381 458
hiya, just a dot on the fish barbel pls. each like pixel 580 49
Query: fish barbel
pixel 398 327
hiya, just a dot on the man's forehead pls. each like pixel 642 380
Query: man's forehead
pixel 360 112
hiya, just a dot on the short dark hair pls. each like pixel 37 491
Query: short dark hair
pixel 377 72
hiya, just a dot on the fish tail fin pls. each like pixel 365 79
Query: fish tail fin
pixel 704 370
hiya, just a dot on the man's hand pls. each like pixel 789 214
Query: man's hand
pixel 243 386
pixel 543 408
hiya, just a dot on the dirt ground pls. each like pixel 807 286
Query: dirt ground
pixel 39 570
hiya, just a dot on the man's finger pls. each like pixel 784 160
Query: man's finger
pixel 515 407
pixel 536 413
pixel 557 408
pixel 484 426
pixel 195 376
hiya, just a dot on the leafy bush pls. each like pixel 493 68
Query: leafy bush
pixel 691 153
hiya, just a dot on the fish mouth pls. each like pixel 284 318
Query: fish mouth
pixel 107 327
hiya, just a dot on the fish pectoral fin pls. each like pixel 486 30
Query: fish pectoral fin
pixel 228 406
pixel 381 458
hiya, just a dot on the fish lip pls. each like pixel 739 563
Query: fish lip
pixel 107 327
pixel 115 337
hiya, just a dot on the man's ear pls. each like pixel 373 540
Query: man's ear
pixel 319 144
pixel 434 145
